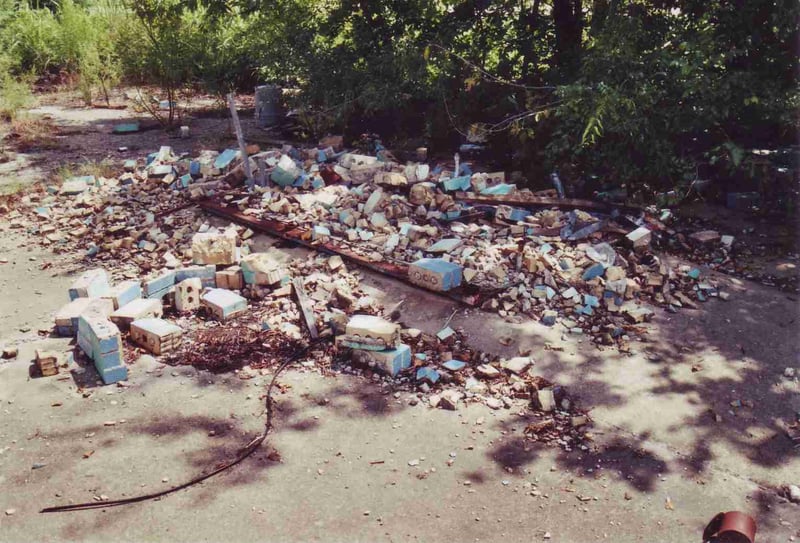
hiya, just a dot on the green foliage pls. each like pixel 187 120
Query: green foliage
pixel 634 92
pixel 15 94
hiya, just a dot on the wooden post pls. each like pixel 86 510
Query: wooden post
pixel 305 309
pixel 240 137
pixel 262 172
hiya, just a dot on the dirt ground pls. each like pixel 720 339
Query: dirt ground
pixel 662 464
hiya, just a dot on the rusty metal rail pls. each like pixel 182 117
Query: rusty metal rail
pixel 302 236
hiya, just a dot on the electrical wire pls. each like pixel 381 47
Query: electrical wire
pixel 248 449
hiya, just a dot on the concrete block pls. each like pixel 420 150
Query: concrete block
pixel 444 245
pixel 187 294
pixel 224 304
pixel 124 293
pixel 219 249
pixel 457 183
pixel 206 274
pixel 67 316
pixel 454 365
pixel 371 333
pixel 113 374
pixel 97 335
pixel 91 284
pixel 391 361
pixel 157 335
pixel 428 374
pixel 103 361
pixel 549 317
pixel 593 271
pixel 262 269
pixel 225 158
pixel 47 362
pixel 159 284
pixel 435 274
pixel 137 309
pixel 230 279
pixel 639 237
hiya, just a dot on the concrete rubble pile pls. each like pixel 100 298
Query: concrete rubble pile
pixel 172 282
pixel 593 272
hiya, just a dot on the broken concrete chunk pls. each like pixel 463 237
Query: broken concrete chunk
pixel 219 249
pixel 640 237
pixel 517 365
pixel 704 236
pixel 262 269
pixel 137 309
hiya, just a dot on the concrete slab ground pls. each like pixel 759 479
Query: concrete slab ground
pixel 337 468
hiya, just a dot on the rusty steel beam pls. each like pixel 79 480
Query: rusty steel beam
pixel 302 236
pixel 541 201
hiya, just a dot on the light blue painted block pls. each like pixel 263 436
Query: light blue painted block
pixel 393 361
pixel 281 177
pixel 444 245
pixel 161 170
pixel 224 302
pixel 596 270
pixel 457 183
pixel 428 374
pixel 225 158
pixel 195 168
pixel 125 292
pixel 317 183
pixel 150 158
pixel 435 273
pixel 207 274
pixel 91 284
pixel 591 301
pixel 445 333
pixel 694 273
pixel 106 361
pixel 184 181
pixel 503 189
pixel 113 375
pixel 159 284
pixel 518 214
pixel 454 365
pixel 159 294
pixel 320 232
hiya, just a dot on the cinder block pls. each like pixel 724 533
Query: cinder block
pixel 113 374
pixel 157 335
pixel 187 294
pixel 124 293
pixel 224 304
pixel 98 334
pixel 215 249
pixel 137 309
pixel 391 361
pixel 108 360
pixel 370 333
pixel 91 284
pixel 262 269
pixel 435 274
pixel 157 286
pixel 206 274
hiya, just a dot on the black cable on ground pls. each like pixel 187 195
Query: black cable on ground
pixel 244 453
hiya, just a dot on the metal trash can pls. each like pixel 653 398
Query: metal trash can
pixel 268 105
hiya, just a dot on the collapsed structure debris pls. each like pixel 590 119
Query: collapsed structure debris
pixel 174 285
